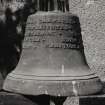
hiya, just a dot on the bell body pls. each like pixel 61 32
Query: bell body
pixel 52 61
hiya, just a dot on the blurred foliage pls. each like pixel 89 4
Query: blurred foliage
pixel 12 29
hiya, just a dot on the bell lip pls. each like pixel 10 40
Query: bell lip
pixel 80 87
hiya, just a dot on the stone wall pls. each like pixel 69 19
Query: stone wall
pixel 92 18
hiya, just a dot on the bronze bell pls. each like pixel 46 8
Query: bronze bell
pixel 52 60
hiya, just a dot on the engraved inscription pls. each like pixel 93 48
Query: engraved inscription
pixel 50 32
pixel 64 19
pixel 49 27
pixel 51 38
pixel 62 45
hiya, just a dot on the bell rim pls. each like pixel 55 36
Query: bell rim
pixel 78 87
